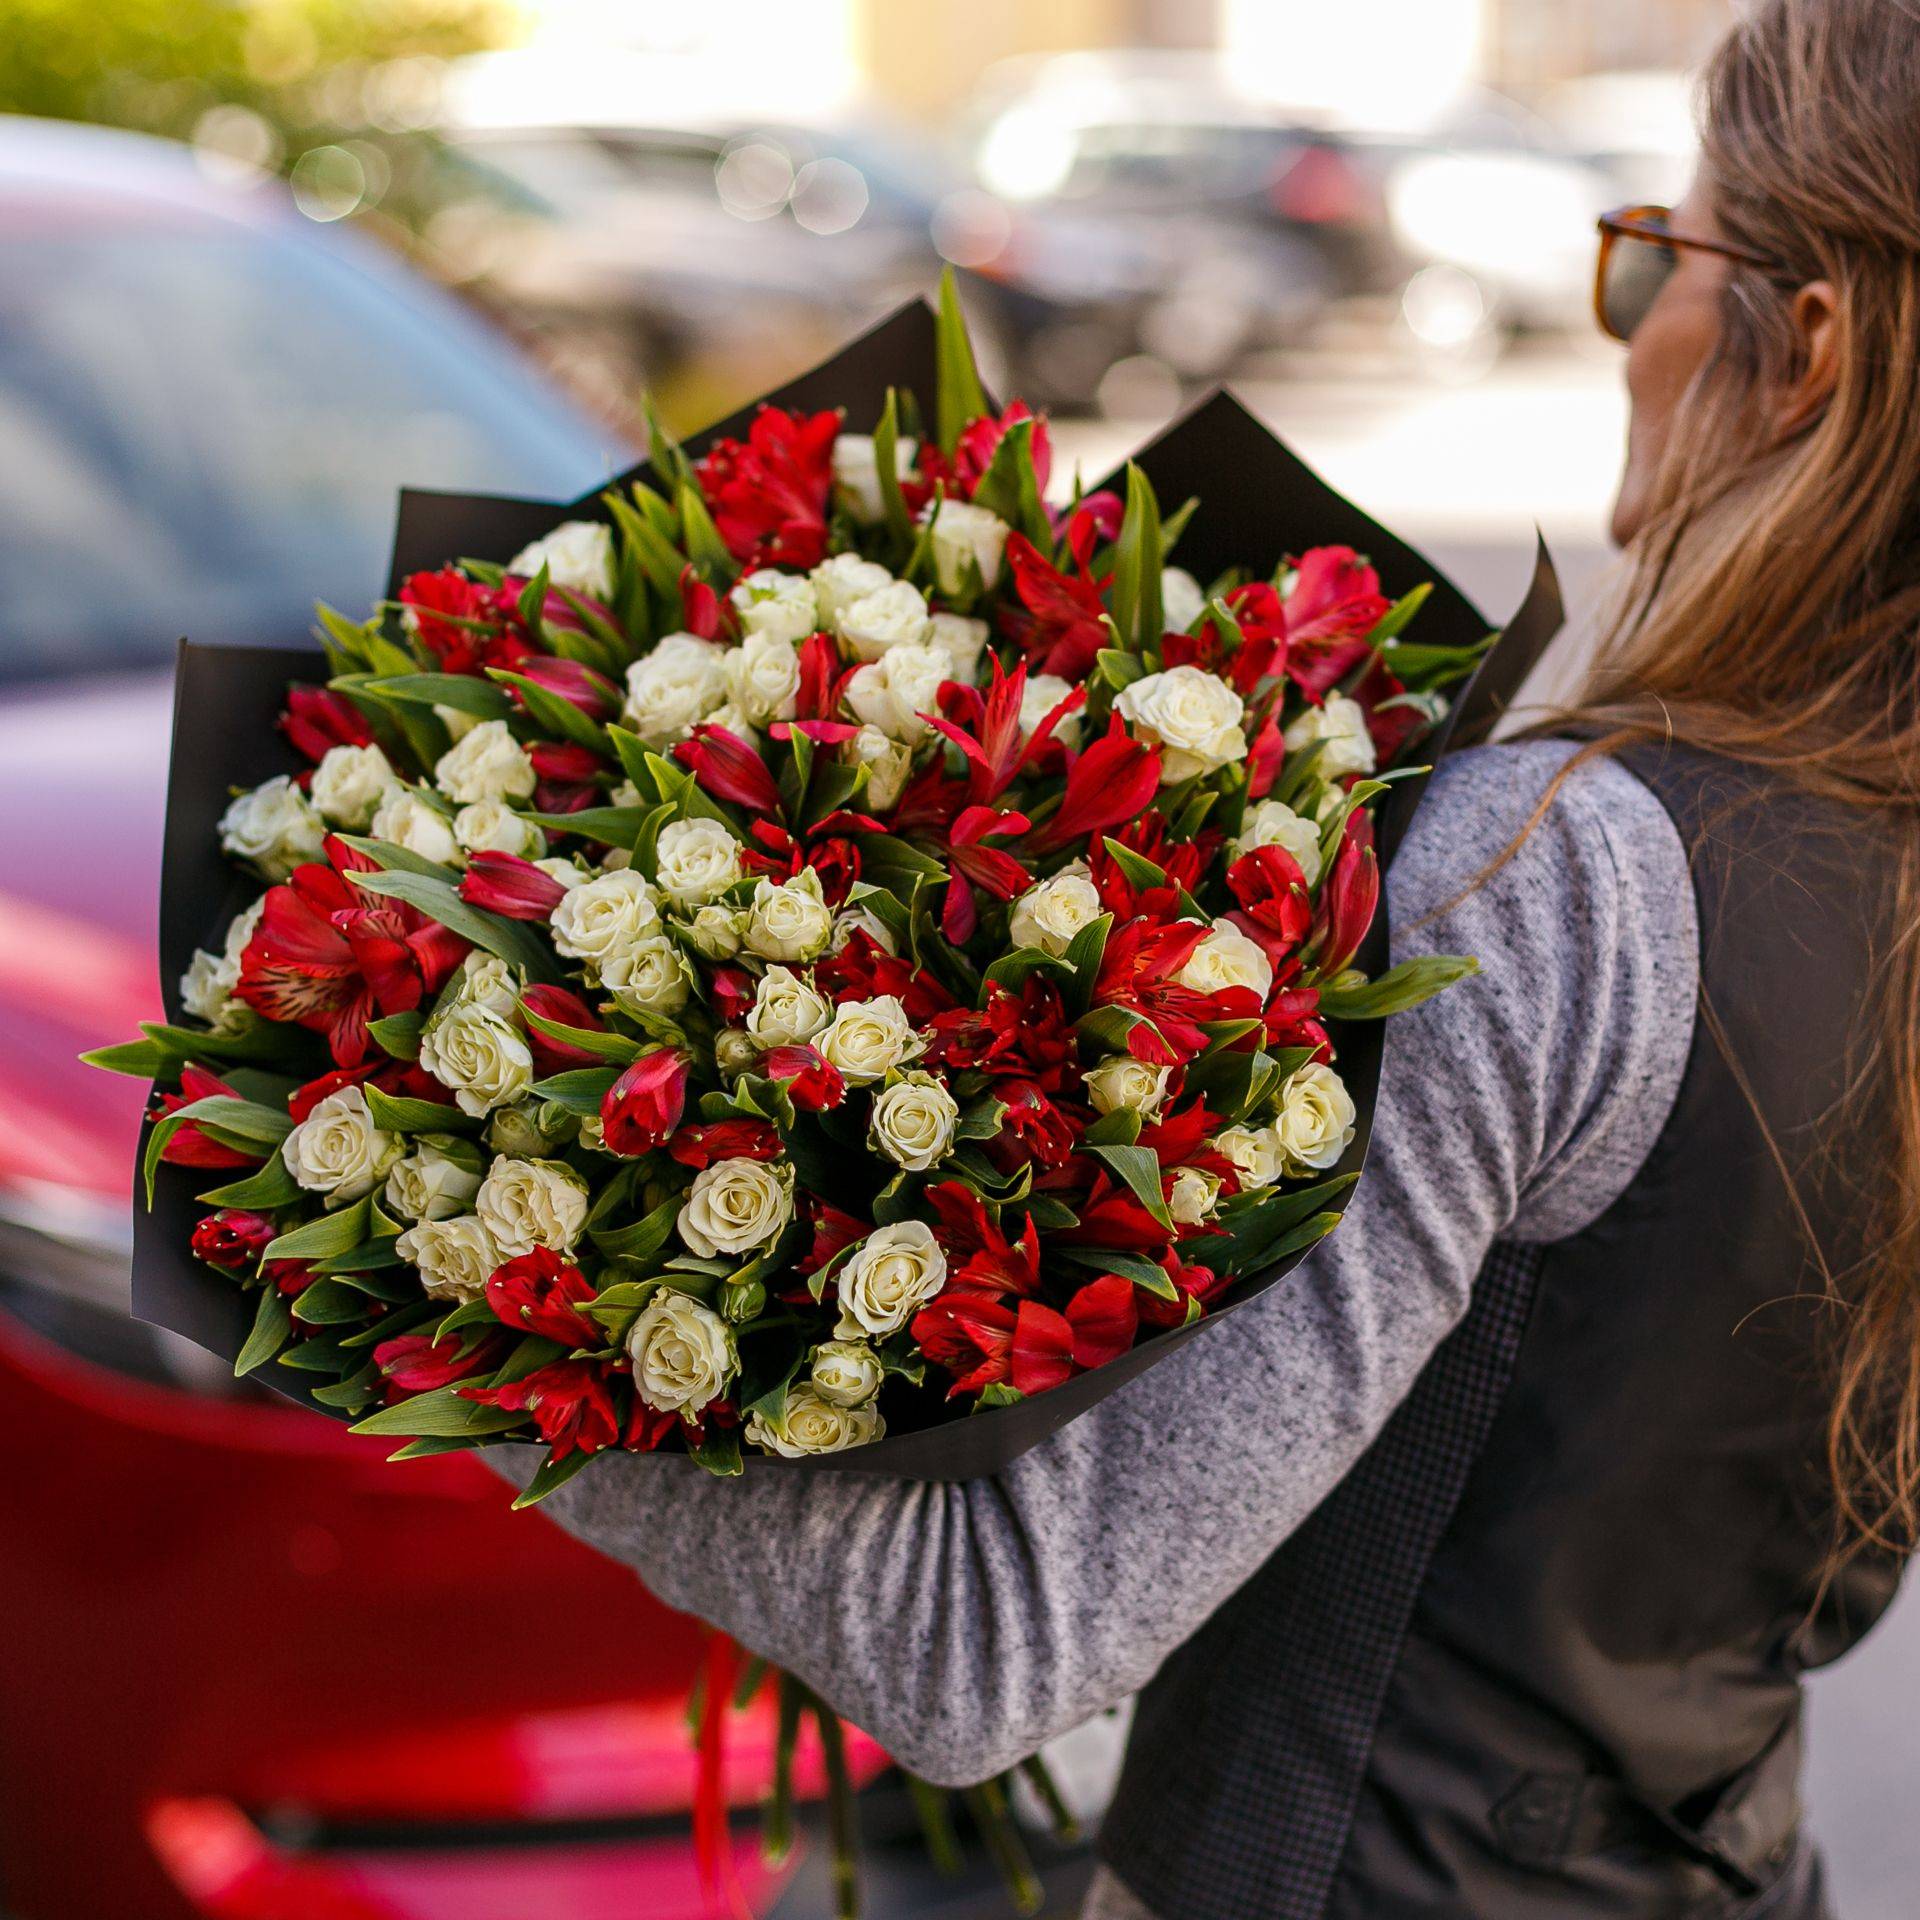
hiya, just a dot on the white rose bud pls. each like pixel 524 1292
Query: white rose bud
pixel 1342 724
pixel 1227 958
pixel 737 1206
pixel 846 1372
pixel 1254 1152
pixel 1316 1120
pixel 896 616
pixel 695 860
pixel 763 680
pixel 648 978
pixel 206 988
pixel 483 980
pixel 272 828
pixel 734 1051
pixel 577 554
pixel 789 921
pixel 480 1055
pixel 1191 715
pixel 868 1039
pixel 811 1423
pixel 349 784
pixel 894 1272
pixel 964 533
pixel 602 922
pixel 1126 1084
pixel 435 1181
pixel 1272 823
pixel 456 1257
pixel 1048 915
pixel 841 580
pixel 491 826
pixel 963 640
pixel 488 764
pixel 781 606
pixel 787 1010
pixel 517 1131
pixel 674 688
pixel 714 933
pixel 1181 601
pixel 405 820
pixel 1190 1198
pixel 337 1149
pixel 682 1353
pixel 1043 693
pixel 532 1203
pixel 888 765
pixel 897 689
pixel 913 1122
pixel 856 474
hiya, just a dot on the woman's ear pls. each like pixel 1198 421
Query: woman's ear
pixel 1815 318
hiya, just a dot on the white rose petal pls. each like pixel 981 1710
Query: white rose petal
pixel 1254 1152
pixel 889 764
pixel 1272 823
pixel 483 980
pixel 206 988
pixel 1316 1120
pixel 603 921
pixel 869 1038
pixel 577 554
pixel 913 1122
pixel 648 978
pixel 480 1055
pixel 491 826
pixel 788 921
pixel 856 474
pixel 487 764
pixel 456 1257
pixel 682 1354
pixel 674 688
pixel 1227 958
pixel 405 820
pixel 1044 692
pixel 435 1181
pixel 349 784
pixel 272 828
pixel 895 616
pixel 1126 1084
pixel 846 1372
pixel 964 534
pixel 964 641
pixel 338 1150
pixel 695 860
pixel 1191 715
pixel 1048 915
pixel 737 1206
pixel 780 606
pixel 841 580
pixel 862 919
pixel 1181 601
pixel 787 1010
pixel 516 1130
pixel 897 689
pixel 763 680
pixel 1191 1196
pixel 1342 724
pixel 714 933
pixel 894 1272
pixel 532 1203
pixel 811 1423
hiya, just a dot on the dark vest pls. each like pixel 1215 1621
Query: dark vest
pixel 1538 1656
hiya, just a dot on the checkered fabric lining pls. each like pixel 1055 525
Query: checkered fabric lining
pixel 1253 1741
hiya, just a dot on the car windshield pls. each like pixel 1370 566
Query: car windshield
pixel 203 429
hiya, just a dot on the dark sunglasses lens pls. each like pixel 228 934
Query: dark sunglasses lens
pixel 1637 269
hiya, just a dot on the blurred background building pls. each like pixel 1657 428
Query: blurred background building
pixel 266 261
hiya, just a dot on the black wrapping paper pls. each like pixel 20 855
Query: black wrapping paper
pixel 1259 502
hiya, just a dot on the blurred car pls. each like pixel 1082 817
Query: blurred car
pixel 258 1673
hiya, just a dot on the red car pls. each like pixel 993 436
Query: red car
pixel 253 1671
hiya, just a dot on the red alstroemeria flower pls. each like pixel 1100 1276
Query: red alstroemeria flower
pixel 728 769
pixel 986 728
pixel 329 957
pixel 813 1084
pixel 971 863
pixel 642 1108
pixel 1276 908
pixel 1024 1035
pixel 983 1258
pixel 1351 894
pixel 514 888
pixel 423 1363
pixel 188 1146
pixel 699 1147
pixel 1267 754
pixel 769 493
pixel 1060 623
pixel 1112 780
pixel 864 970
pixel 1183 865
pixel 1137 972
pixel 1110 1216
pixel 232 1238
pixel 968 1334
pixel 1334 603
pixel 1197 1287
pixel 467 626
pixel 1392 727
pixel 836 859
pixel 980 440
pixel 564 1009
pixel 571 1402
pixel 574 682
pixel 317 719
pixel 833 1231
pixel 539 1292
pixel 566 774
pixel 821 678
pixel 982 1340
pixel 702 612
pixel 1033 1127
pixel 1290 1022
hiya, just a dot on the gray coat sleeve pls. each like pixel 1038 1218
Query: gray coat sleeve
pixel 963 1625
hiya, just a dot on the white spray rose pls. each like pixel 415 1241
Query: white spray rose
pixel 1342 724
pixel 1124 1083
pixel 577 554
pixel 1191 715
pixel 897 689
pixel 479 1054
pixel 1227 958
pixel 811 1423
pixel 483 980
pixel 734 1051
pixel 405 820
pixel 887 1279
pixel 1049 914
pixel 349 784
pixel 714 933
pixel 1181 601
pixel 491 826
pixel 1272 823
pixel 674 688
pixel 532 1203
pixel 435 1181
pixel 272 829
pixel 456 1257
pixel 517 1131
pixel 913 1122
pixel 737 1206
pixel 682 1353
pixel 889 764
pixel 839 581
pixel 963 534
pixel 763 680
pixel 895 616
pixel 1316 1120
pixel 780 606
pixel 206 988
pixel 963 640
pixel 846 1372
pixel 789 921
pixel 856 474
pixel 338 1150
pixel 696 859
pixel 603 921
pixel 1254 1152
pixel 787 1010
pixel 648 978
pixel 488 763
pixel 868 1039
pixel 1191 1196
pixel 1044 692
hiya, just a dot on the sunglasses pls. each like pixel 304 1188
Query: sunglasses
pixel 1638 253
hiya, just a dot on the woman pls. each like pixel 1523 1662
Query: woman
pixel 1473 1573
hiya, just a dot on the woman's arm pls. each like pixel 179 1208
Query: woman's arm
pixel 964 1624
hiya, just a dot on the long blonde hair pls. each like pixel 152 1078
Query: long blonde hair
pixel 1771 603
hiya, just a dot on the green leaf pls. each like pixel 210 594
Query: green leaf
pixel 1129 1266
pixel 556 716
pixel 142 1059
pixel 958 394
pixel 1138 559
pixel 272 1329
pixel 665 455
pixel 701 537
pixel 464 692
pixel 580 1089
pixel 1136 866
pixel 331 1233
pixel 1010 488
pixel 1399 616
pixel 398 1034
pixel 886 441
pixel 611 826
pixel 509 939
pixel 273 1186
pixel 641 1239
pixel 998 1394
pixel 241 1124
pixel 602 1045
pixel 400 1115
pixel 1013 970
pixel 330 1303
pixel 1109 1028
pixel 442 1414
pixel 393 859
pixel 1256 1229
pixel 1139 1167
pixel 1120 1128
pixel 719 1452
pixel 550 1475
pixel 653 553
pixel 1083 956
pixel 1398 988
